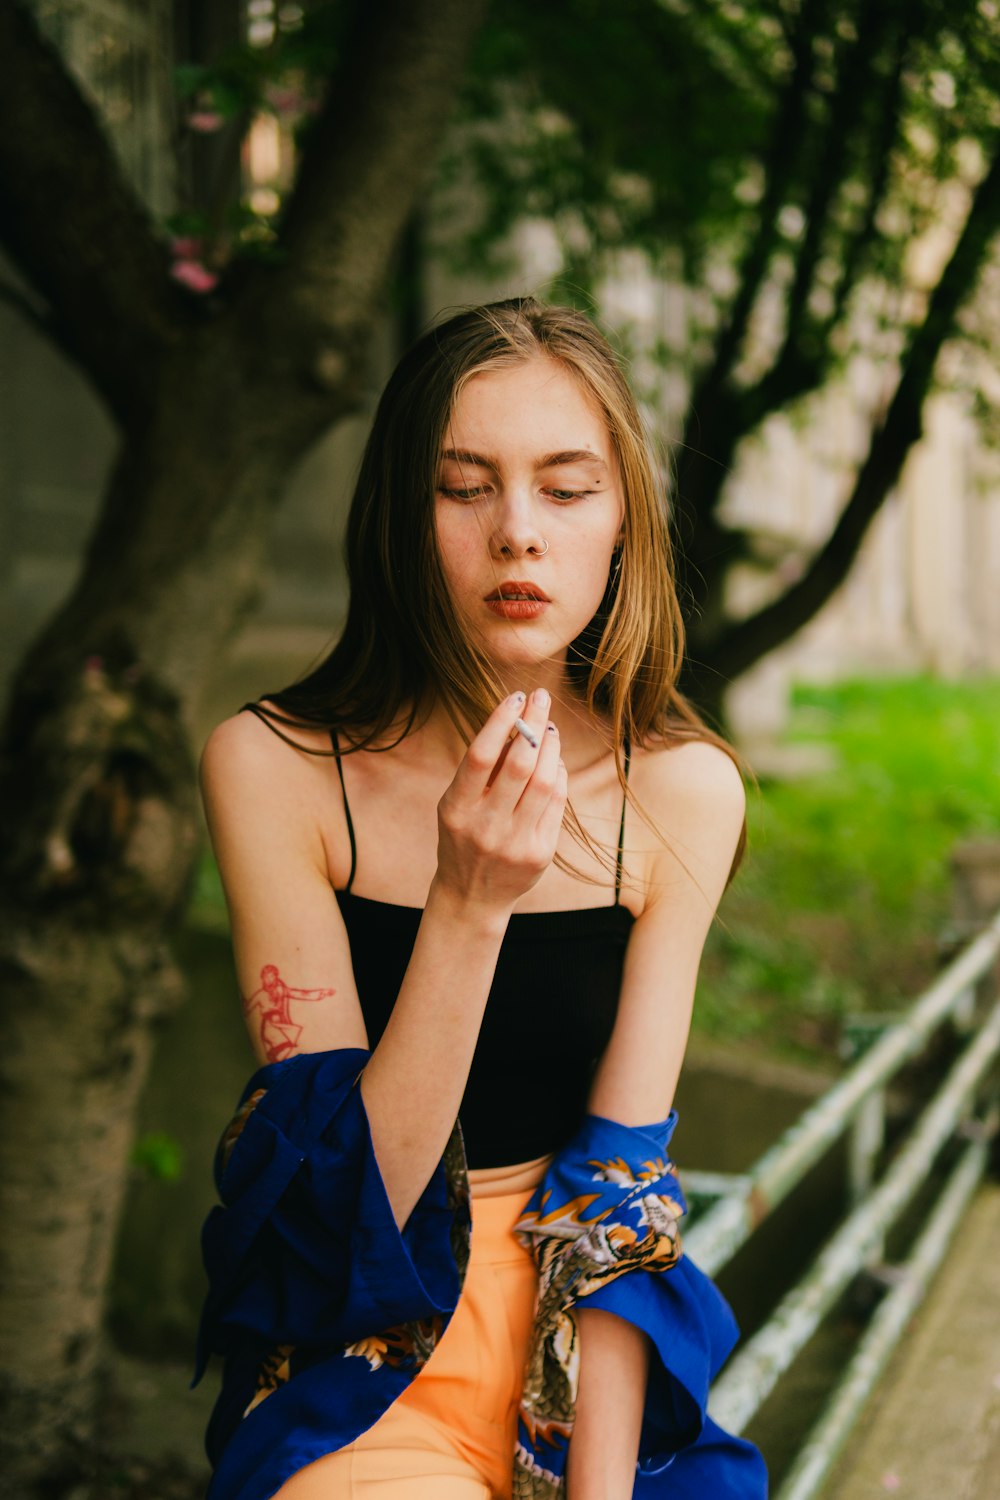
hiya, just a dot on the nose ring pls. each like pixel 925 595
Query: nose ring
pixel 543 551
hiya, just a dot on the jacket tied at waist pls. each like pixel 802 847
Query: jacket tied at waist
pixel 323 1310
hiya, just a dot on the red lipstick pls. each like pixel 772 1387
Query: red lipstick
pixel 518 599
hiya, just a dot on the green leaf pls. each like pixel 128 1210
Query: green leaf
pixel 159 1156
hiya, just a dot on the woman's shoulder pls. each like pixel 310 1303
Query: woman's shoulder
pixel 689 767
pixel 695 793
pixel 252 753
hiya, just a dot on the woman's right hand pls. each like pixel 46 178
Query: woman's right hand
pixel 499 820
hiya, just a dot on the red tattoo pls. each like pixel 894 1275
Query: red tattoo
pixel 278 1034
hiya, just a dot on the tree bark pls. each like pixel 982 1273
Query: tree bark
pixel 96 771
pixel 71 222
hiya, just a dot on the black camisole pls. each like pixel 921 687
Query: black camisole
pixel 549 1015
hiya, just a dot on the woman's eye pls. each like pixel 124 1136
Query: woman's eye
pixel 471 494
pixel 569 494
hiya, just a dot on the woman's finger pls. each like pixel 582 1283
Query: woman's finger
pixel 521 756
pixel 479 764
pixel 542 783
pixel 550 821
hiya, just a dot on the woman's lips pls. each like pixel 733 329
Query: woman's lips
pixel 517 609
pixel 518 599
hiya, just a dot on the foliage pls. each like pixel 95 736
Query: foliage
pixel 804 180
pixel 158 1155
pixel 660 125
pixel 624 153
pixel 208 902
pixel 281 70
pixel 837 118
pixel 302 47
pixel 807 180
pixel 845 890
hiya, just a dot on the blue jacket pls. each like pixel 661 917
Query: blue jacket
pixel 323 1310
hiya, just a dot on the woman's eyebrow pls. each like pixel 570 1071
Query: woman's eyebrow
pixel 572 456
pixel 462 456
pixel 550 461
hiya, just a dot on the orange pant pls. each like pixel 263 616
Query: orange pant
pixel 450 1435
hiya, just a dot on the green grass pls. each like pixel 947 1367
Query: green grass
pixel 207 910
pixel 844 892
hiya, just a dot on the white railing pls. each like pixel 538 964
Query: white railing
pixel 965 1106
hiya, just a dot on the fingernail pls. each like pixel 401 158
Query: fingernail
pixel 550 729
pixel 541 698
pixel 516 698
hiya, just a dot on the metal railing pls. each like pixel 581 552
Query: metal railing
pixel 855 1106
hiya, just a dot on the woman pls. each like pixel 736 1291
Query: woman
pixel 470 874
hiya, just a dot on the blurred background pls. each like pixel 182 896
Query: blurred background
pixel 221 225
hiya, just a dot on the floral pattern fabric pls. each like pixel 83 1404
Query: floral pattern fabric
pixel 323 1311
pixel 593 1219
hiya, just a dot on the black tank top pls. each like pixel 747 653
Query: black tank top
pixel 549 1015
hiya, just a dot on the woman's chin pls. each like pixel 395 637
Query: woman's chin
pixel 526 654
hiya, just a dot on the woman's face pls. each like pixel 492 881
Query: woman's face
pixel 527 461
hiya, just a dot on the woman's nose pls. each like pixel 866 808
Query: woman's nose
pixel 517 528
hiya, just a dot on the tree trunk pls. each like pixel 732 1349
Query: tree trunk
pixel 97 789
pixel 102 831
pixel 215 402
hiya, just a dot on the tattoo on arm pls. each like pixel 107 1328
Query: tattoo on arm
pixel 278 1033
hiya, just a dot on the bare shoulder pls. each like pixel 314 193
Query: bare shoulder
pixel 695 795
pixel 694 774
pixel 246 764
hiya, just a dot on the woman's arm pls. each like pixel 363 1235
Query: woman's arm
pixel 498 830
pixel 614 1359
pixel 696 795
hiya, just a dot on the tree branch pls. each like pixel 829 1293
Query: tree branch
pixel 746 641
pixel 798 368
pixel 887 128
pixel 357 186
pixel 804 358
pixel 780 163
pixel 859 68
pixel 73 225
pixel 713 409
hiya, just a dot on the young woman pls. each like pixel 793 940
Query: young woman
pixel 470 862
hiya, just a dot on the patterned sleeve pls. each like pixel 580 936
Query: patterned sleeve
pixel 603 1226
pixel 307 1267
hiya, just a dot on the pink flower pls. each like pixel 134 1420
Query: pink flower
pixel 890 1481
pixel 193 275
pixel 204 121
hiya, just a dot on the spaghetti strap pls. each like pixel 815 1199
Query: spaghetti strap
pixel 621 830
pixel 347 812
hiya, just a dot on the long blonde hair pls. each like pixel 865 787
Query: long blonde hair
pixel 403 648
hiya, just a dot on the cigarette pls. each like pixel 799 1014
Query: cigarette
pixel 529 734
